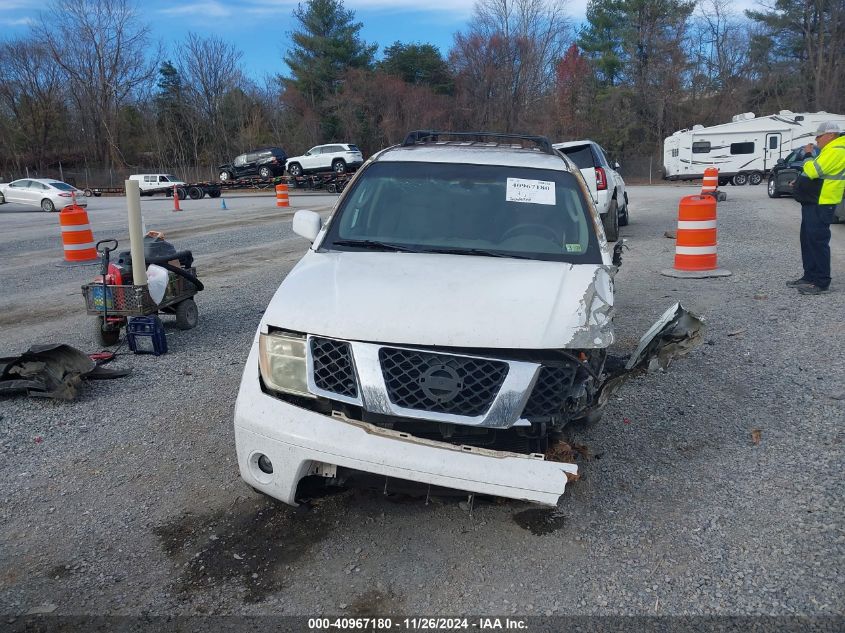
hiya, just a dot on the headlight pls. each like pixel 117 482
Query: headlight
pixel 281 359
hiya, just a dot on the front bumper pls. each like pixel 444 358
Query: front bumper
pixel 300 442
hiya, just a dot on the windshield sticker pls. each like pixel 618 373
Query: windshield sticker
pixel 533 191
pixel 573 248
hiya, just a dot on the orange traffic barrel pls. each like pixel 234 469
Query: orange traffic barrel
pixel 710 182
pixel 77 238
pixel 695 247
pixel 282 199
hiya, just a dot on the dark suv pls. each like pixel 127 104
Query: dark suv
pixel 786 171
pixel 265 163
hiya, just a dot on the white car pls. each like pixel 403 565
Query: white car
pixel 606 185
pixel 49 194
pixel 336 157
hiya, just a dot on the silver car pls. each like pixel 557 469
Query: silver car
pixel 49 194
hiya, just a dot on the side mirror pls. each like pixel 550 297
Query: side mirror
pixel 307 224
pixel 616 165
pixel 781 161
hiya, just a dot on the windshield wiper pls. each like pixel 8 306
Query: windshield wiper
pixel 376 245
pixel 474 251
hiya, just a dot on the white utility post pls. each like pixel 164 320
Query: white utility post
pixel 136 232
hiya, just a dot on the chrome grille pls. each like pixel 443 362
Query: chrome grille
pixel 333 369
pixel 458 385
pixel 549 394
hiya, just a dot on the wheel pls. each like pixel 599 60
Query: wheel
pixel 195 193
pixel 187 314
pixel 225 175
pixel 183 193
pixel 47 205
pixel 2 199
pixel 755 178
pixel 772 188
pixel 87 192
pixel 105 336
pixel 213 193
pixel 723 182
pixel 740 179
pixel 294 169
pixel 611 222
pixel 339 167
pixel 265 172
pixel 331 188
pixel 623 218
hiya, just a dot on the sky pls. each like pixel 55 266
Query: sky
pixel 262 28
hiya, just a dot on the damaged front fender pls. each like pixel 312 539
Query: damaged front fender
pixel 677 332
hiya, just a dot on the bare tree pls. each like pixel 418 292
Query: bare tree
pixel 507 58
pixel 104 51
pixel 33 91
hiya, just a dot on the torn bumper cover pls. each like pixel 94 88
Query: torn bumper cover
pixel 50 371
pixel 299 442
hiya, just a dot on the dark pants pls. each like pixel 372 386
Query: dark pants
pixel 815 242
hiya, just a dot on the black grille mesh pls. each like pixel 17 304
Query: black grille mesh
pixel 479 380
pixel 550 391
pixel 333 370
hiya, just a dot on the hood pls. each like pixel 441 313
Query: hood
pixel 446 300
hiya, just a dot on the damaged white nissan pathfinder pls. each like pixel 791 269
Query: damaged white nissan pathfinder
pixel 451 317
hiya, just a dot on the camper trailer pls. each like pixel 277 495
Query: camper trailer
pixel 744 150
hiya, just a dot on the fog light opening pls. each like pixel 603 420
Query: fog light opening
pixel 265 465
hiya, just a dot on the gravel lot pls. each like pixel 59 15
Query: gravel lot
pixel 128 500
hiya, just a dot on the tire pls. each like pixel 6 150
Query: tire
pixel 772 188
pixel 225 176
pixel 740 179
pixel 187 314
pixel 755 178
pixel 331 188
pixel 266 173
pixel 195 193
pixel 182 192
pixel 213 193
pixel 105 337
pixel 623 220
pixel 47 205
pixel 723 182
pixel 2 199
pixel 87 193
pixel 339 167
pixel 611 222
pixel 295 169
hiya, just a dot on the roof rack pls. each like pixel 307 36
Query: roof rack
pixel 419 136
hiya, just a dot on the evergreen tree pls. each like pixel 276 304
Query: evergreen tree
pixel 326 45
pixel 418 64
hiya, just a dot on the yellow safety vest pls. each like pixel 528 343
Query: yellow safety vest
pixel 830 167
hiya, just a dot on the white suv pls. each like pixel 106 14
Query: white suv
pixel 336 157
pixel 606 185
pixel 451 316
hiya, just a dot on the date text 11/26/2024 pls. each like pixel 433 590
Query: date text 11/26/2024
pixel 417 624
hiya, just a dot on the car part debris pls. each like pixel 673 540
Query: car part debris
pixel 676 333
pixel 51 371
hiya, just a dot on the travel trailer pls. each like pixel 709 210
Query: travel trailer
pixel 744 150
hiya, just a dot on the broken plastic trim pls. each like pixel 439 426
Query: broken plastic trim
pixel 677 332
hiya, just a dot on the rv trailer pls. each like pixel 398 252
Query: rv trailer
pixel 744 150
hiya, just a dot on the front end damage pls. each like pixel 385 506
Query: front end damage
pixel 476 420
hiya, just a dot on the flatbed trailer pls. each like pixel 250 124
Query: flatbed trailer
pixel 333 183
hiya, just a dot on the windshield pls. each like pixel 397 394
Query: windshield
pixel 466 209
pixel 61 185
pixel 581 156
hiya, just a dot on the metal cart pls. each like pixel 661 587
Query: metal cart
pixel 112 304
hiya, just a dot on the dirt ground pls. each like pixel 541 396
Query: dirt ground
pixel 712 489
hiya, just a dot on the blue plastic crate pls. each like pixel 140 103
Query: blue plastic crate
pixel 145 335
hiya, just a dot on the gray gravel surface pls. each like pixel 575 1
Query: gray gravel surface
pixel 128 499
